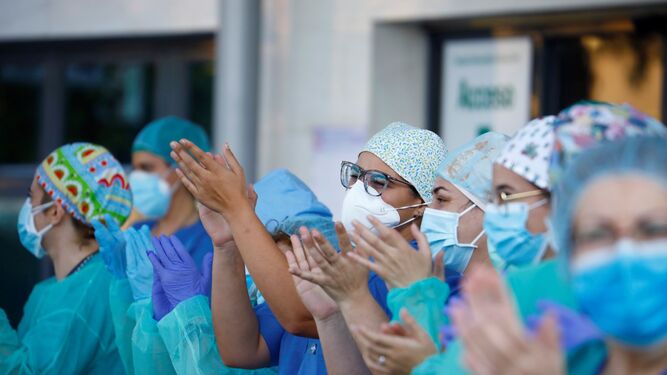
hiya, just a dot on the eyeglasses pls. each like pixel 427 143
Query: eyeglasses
pixel 606 234
pixel 503 197
pixel 350 173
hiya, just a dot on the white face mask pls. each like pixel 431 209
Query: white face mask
pixel 358 204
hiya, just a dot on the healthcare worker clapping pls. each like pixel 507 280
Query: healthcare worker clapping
pixel 66 327
pixel 616 257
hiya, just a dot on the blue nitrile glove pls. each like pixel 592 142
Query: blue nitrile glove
pixel 575 329
pixel 139 269
pixel 112 246
pixel 161 305
pixel 177 271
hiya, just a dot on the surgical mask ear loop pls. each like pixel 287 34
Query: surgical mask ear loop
pixel 468 209
pixel 410 220
pixel 40 208
pixel 165 174
pixel 480 235
pixel 539 203
pixel 34 211
pixel 545 244
pixel 474 241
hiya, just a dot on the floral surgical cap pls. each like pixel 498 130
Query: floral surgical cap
pixel 528 152
pixel 588 124
pixel 415 154
pixel 470 167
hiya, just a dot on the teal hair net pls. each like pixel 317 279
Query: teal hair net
pixel 633 155
pixel 156 136
pixel 470 167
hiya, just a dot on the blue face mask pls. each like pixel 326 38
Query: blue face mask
pixel 151 194
pixel 622 290
pixel 30 237
pixel 441 230
pixel 509 241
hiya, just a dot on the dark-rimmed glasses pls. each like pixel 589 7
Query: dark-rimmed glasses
pixel 350 173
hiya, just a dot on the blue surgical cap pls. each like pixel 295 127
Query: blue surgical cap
pixel 281 195
pixel 285 204
pixel 324 225
pixel 156 136
pixel 634 155
pixel 470 167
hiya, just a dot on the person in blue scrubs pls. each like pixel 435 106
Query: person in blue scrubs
pixel 162 206
pixel 160 201
pixel 253 337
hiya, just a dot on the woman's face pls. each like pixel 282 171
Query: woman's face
pixel 615 207
pixel 150 163
pixel 396 194
pixel 446 197
pixel 504 180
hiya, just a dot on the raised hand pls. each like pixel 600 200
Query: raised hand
pixel 394 259
pixel 216 226
pixel 217 181
pixel 177 271
pixel 161 304
pixel 339 276
pixel 313 296
pixel 493 335
pixel 112 244
pixel 139 269
pixel 397 349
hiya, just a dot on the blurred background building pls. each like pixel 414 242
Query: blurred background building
pixel 301 83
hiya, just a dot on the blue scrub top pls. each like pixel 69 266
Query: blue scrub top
pixel 194 238
pixel 295 355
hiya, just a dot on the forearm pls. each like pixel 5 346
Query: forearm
pixel 235 326
pixel 341 354
pixel 269 271
pixel 362 309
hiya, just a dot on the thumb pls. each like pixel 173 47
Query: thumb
pixel 422 242
pixel 252 196
pixel 548 334
pixel 409 323
pixel 439 266
pixel 155 261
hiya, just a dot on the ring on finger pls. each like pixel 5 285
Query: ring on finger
pixel 382 360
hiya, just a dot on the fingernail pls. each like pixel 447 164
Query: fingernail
pixel 173 144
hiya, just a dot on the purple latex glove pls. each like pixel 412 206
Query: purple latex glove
pixel 575 329
pixel 161 305
pixel 177 271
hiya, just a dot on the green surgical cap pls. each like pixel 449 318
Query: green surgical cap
pixel 415 154
pixel 156 136
pixel 470 167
